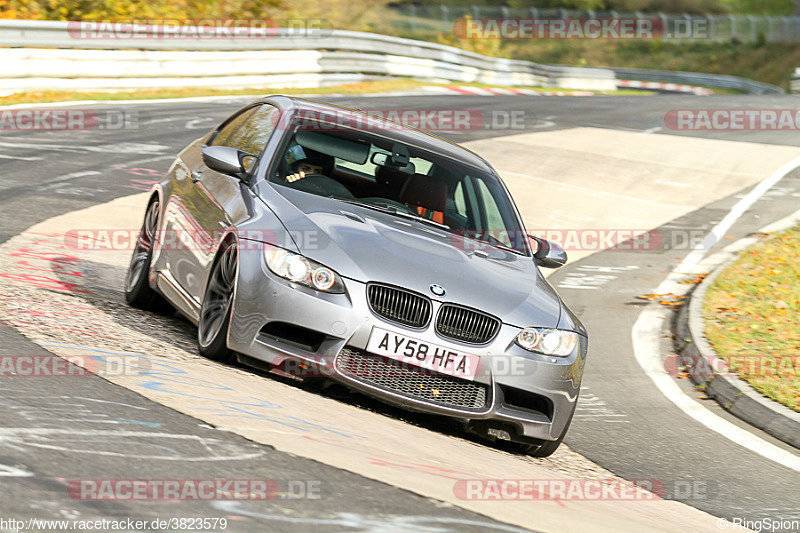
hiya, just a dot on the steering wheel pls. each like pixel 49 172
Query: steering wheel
pixel 321 185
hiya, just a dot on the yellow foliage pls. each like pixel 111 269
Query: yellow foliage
pixel 342 14
pixel 484 46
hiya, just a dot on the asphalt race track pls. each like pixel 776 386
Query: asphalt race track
pixel 56 430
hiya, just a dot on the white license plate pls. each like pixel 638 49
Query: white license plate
pixel 423 354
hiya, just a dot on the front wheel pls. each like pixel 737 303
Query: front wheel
pixel 542 448
pixel 215 312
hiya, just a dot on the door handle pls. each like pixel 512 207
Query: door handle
pixel 196 176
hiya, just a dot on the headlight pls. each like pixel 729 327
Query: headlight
pixel 302 270
pixel 548 341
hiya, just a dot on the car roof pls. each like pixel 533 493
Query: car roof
pixel 396 131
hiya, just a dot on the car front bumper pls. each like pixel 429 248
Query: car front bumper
pixel 531 396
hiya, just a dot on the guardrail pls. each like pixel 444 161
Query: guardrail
pixel 696 78
pixel 62 55
pixel 310 55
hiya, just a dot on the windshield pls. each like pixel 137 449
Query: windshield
pixel 375 171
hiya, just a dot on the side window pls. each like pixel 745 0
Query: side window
pixel 253 135
pixel 224 135
pixel 493 216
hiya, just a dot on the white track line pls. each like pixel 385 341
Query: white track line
pixel 738 210
pixel 646 335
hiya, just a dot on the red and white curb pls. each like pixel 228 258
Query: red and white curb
pixel 500 91
pixel 676 87
pixel 511 91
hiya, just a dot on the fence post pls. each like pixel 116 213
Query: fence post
pixel 689 26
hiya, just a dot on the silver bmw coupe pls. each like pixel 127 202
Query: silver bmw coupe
pixel 324 242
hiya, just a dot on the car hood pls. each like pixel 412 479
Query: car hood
pixel 370 246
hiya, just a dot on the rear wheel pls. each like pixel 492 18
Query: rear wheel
pixel 215 312
pixel 138 292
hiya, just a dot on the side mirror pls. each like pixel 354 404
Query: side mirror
pixel 226 160
pixel 549 254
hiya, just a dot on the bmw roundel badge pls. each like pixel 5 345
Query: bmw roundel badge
pixel 438 290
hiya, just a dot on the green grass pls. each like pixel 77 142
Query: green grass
pixel 761 61
pixel 751 313
pixel 769 62
pixel 760 7
pixel 744 7
pixel 367 87
pixel 395 84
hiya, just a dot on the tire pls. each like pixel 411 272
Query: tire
pixel 215 311
pixel 547 447
pixel 138 292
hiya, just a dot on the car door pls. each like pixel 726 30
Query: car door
pixel 213 202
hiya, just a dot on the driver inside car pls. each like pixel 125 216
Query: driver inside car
pixel 306 162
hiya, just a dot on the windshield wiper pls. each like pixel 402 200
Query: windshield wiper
pixel 394 211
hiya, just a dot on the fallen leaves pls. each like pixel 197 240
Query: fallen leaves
pixel 667 299
pixel 695 280
pixel 753 307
